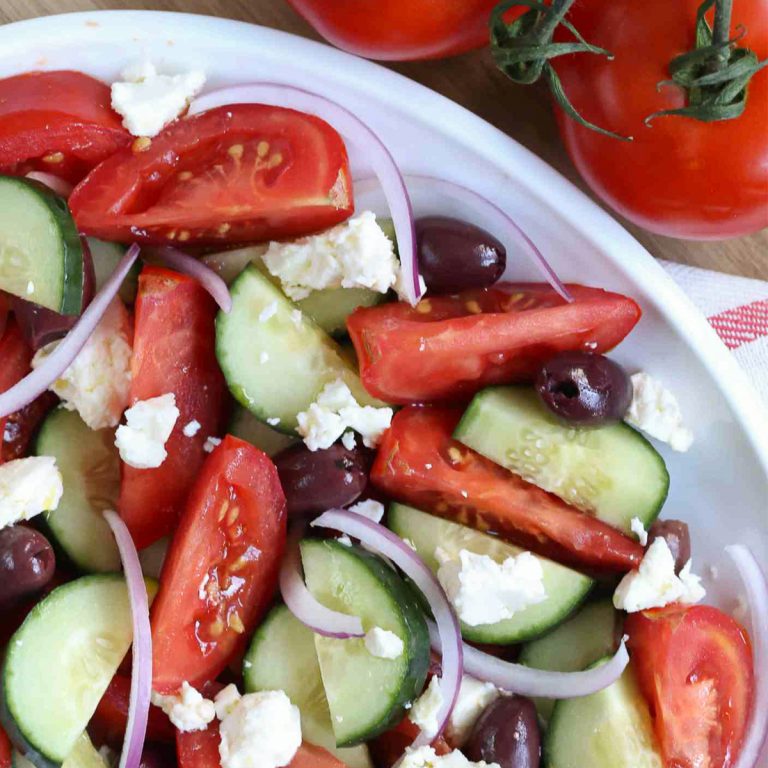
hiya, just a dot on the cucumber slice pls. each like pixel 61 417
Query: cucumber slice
pixel 83 755
pixel 41 257
pixel 229 264
pixel 247 427
pixel 612 472
pixel 60 662
pixel 105 258
pixel 282 656
pixel 90 467
pixel 350 580
pixel 575 644
pixel 299 358
pixel 566 589
pixel 609 729
pixel 331 308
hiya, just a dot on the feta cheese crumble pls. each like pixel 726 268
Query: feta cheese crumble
pixel 426 757
pixel 191 428
pixel 273 421
pixel 148 101
pixel 211 443
pixel 383 644
pixel 226 700
pixel 423 713
pixel 656 411
pixel 373 510
pixel 335 411
pixel 28 487
pixel 355 254
pixel 262 730
pixel 655 584
pixel 141 441
pixel 188 710
pixel 348 441
pixel 474 697
pixel 483 591
pixel 97 384
pixel 636 524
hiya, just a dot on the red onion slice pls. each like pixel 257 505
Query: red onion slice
pixel 386 543
pixel 526 681
pixel 757 597
pixel 54 183
pixel 188 265
pixel 141 653
pixel 302 604
pixel 354 131
pixel 35 383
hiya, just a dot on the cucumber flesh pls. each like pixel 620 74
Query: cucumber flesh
pixel 60 662
pixel 83 755
pixel 282 656
pixel 350 580
pixel 247 427
pixel 41 257
pixel 574 645
pixel 331 308
pixel 566 589
pixel 277 368
pixel 90 468
pixel 612 471
pixel 229 264
pixel 609 729
pixel 105 258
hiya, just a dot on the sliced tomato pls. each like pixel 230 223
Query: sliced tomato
pixel 419 462
pixel 694 665
pixel 450 347
pixel 235 174
pixel 173 351
pixel 5 750
pixel 109 721
pixel 15 359
pixel 60 122
pixel 390 746
pixel 227 548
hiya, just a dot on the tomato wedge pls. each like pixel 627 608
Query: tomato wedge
pixel 420 463
pixel 5 750
pixel 390 746
pixel 227 548
pixel 173 351
pixel 234 174
pixel 450 347
pixel 694 665
pixel 60 122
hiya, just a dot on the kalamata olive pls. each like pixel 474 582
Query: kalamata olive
pixel 27 563
pixel 314 481
pixel 507 733
pixel 455 255
pixel 678 539
pixel 584 389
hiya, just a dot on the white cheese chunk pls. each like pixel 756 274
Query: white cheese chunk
pixel 655 584
pixel 148 101
pixel 484 592
pixel 426 757
pixel 28 487
pixel 370 508
pixel 226 700
pixel 191 428
pixel 636 524
pixel 383 644
pixel 655 410
pixel 97 384
pixel 188 710
pixel 211 443
pixel 425 709
pixel 348 441
pixel 141 441
pixel 474 697
pixel 263 730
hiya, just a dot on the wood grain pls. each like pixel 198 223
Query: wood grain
pixel 471 80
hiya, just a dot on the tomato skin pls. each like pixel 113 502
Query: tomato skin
pixel 5 750
pixel 390 746
pixel 496 500
pixel 694 665
pixel 45 113
pixel 239 553
pixel 203 180
pixel 440 350
pixel 679 177
pixel 173 351
pixel 400 30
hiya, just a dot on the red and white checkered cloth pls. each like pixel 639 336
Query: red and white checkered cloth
pixel 737 308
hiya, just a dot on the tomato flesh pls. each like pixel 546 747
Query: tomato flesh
pixel 60 122
pixel 173 351
pixel 448 348
pixel 419 462
pixel 694 665
pixel 5 750
pixel 240 173
pixel 220 573
pixel 390 746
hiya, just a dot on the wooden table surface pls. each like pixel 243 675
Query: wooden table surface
pixel 471 80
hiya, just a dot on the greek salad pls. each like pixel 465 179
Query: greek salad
pixel 286 480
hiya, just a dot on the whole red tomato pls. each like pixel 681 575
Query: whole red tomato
pixel 398 30
pixel 679 176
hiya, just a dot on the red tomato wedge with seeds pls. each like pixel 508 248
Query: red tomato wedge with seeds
pixel 221 570
pixel 449 347
pixel 240 173
pixel 173 351
pixel 419 462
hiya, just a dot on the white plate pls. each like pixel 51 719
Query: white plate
pixel 721 486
